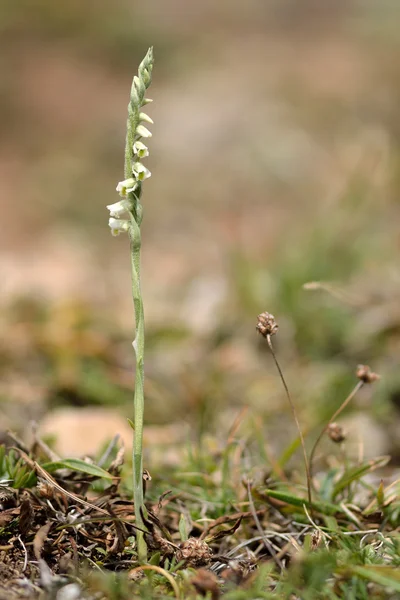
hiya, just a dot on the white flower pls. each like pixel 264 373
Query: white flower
pixel 140 149
pixel 118 226
pixel 118 208
pixel 142 131
pixel 126 186
pixel 140 171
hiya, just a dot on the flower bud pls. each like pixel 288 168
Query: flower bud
pixel 146 77
pixel 145 118
pixel 142 131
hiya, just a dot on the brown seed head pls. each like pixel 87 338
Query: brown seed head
pixel 316 539
pixel 365 374
pixel 146 475
pixel 206 582
pixel 44 489
pixel 266 324
pixel 336 433
pixel 194 552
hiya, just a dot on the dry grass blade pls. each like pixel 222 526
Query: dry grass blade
pixel 219 535
pixel 336 292
pixel 265 540
pixel 39 540
pixel 43 473
pixel 26 515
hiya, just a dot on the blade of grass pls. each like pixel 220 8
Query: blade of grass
pixel 322 507
pixel 356 473
pixel 74 464
pixel 381 574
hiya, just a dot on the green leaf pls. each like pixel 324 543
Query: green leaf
pixel 74 464
pixel 322 507
pixel 289 451
pixel 380 495
pixel 328 484
pixel 331 523
pixel 384 575
pixel 155 559
pixel 356 473
pixel 2 458
pixel 183 528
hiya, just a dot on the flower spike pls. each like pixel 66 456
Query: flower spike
pixel 126 217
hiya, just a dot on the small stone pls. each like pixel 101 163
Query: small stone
pixel 71 591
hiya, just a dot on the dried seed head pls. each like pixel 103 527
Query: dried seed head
pixel 266 324
pixel 194 552
pixel 206 583
pixel 26 514
pixel 146 475
pixel 316 539
pixel 44 489
pixel 136 574
pixel 365 374
pixel 6 494
pixel 336 433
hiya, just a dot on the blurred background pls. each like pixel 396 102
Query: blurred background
pixel 275 161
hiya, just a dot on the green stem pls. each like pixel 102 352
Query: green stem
pixel 138 345
pixel 331 420
pixel 137 100
pixel 296 420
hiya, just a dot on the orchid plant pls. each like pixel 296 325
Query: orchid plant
pixel 126 217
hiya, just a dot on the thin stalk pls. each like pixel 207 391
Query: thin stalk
pixel 135 131
pixel 331 420
pixel 292 406
pixel 138 345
